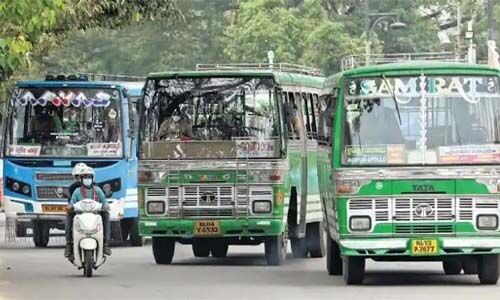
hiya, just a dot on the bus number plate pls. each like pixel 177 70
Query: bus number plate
pixel 424 247
pixel 207 228
pixel 59 209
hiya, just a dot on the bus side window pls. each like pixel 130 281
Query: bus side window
pixel 293 116
pixel 326 118
pixel 313 104
pixel 306 115
pixel 311 118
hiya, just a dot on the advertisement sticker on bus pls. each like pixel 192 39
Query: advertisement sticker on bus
pixel 469 154
pixel 255 148
pixel 23 150
pixel 104 149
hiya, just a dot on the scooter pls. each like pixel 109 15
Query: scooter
pixel 88 236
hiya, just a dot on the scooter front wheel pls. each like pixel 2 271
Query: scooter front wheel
pixel 88 264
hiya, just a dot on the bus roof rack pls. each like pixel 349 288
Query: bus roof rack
pixel 112 77
pixel 354 61
pixel 280 67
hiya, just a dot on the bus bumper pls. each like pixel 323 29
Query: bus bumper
pixel 401 246
pixel 28 217
pixel 228 227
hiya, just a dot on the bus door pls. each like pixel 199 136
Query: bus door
pixel 298 162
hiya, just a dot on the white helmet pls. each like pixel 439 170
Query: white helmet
pixel 87 171
pixel 77 170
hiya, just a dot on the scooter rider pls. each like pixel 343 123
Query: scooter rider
pixel 88 190
pixel 77 172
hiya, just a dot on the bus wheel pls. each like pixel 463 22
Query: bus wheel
pixel 275 249
pixel 315 239
pixel 354 269
pixel 471 265
pixel 488 270
pixel 163 250
pixel 41 234
pixel 299 247
pixel 125 229
pixel 200 248
pixel 333 258
pixel 136 240
pixel 219 249
pixel 452 267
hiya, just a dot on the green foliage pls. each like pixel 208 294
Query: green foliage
pixel 302 32
pixel 23 23
pixel 179 43
pixel 29 26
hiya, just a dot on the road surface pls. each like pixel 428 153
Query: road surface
pixel 130 273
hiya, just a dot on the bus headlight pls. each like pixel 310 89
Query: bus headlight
pixel 361 223
pixel 487 222
pixel 261 207
pixel 156 207
pixel 18 187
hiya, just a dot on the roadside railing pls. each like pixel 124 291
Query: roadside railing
pixel 354 61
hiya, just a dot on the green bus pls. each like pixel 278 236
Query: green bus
pixel 409 169
pixel 228 157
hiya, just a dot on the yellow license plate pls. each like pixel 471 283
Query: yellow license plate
pixel 207 228
pixel 58 209
pixel 424 247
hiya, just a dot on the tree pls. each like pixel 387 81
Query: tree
pixel 31 25
pixel 176 43
pixel 298 31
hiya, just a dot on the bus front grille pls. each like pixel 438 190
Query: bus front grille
pixel 51 192
pixel 55 176
pixel 423 229
pixel 194 201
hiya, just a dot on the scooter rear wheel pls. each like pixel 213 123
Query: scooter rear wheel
pixel 88 264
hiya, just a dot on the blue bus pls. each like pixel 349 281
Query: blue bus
pixel 53 124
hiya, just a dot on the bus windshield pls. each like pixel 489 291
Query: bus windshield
pixel 64 122
pixel 207 117
pixel 424 120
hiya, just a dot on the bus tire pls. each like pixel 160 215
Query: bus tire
pixel 353 269
pixel 275 250
pixel 333 258
pixel 315 239
pixel 200 248
pixel 299 247
pixel 219 249
pixel 41 234
pixel 163 250
pixel 136 240
pixel 125 229
pixel 452 267
pixel 471 265
pixel 488 271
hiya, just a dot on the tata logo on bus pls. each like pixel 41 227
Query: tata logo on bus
pixel 423 188
pixel 423 210
pixel 471 88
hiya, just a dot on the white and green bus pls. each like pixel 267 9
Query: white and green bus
pixel 228 157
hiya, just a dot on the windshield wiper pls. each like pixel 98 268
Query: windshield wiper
pixel 393 98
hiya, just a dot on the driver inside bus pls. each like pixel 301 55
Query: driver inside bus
pixel 176 127
pixel 44 121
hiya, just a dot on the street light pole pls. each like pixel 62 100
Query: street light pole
pixel 396 24
pixel 367 33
